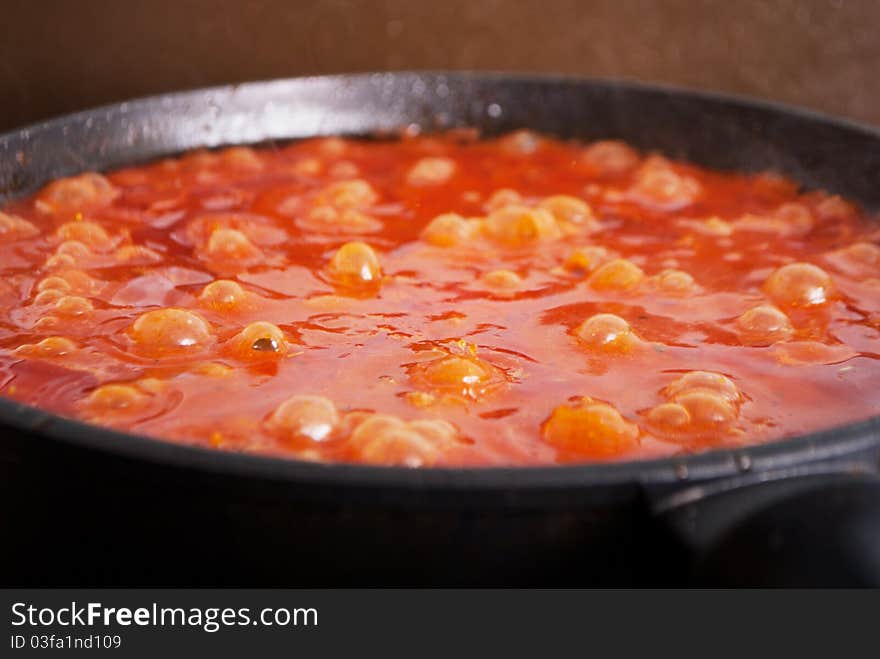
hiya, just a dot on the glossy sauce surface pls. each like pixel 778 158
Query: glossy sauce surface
pixel 444 300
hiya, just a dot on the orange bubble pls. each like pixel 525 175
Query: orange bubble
pixel 502 280
pixel 799 285
pixel 566 208
pixel 448 230
pixel 763 325
pixel 73 305
pixel 74 248
pixel 658 184
pixel 304 419
pixel 171 331
pixel 501 198
pixel 356 193
pixel 617 275
pixel 676 283
pixel 48 296
pixel 431 171
pixel 223 295
pixel 54 283
pixel 50 347
pixel 703 381
pixel 610 157
pixel 669 417
pixel 519 225
pixel 137 254
pixel 89 234
pixel 355 264
pixel 232 245
pixel 465 376
pixel 587 259
pixel 70 281
pixel 520 142
pixel 241 157
pixel 260 341
pixel 76 193
pixel 606 332
pixel 116 399
pixel 707 409
pixel 382 439
pixel 593 429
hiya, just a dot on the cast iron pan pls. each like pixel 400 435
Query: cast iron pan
pixel 83 505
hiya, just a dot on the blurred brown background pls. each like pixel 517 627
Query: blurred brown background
pixel 58 56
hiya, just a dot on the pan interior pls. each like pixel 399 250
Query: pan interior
pixel 712 131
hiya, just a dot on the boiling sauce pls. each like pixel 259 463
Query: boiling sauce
pixel 441 301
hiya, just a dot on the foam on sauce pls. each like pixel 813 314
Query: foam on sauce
pixel 439 300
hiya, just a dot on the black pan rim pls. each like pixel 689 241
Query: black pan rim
pixel 438 75
pixel 835 442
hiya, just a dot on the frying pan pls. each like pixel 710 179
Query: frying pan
pixel 88 506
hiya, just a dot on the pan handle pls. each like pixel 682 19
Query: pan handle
pixel 813 530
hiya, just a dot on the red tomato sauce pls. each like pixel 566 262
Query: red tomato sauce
pixel 441 301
